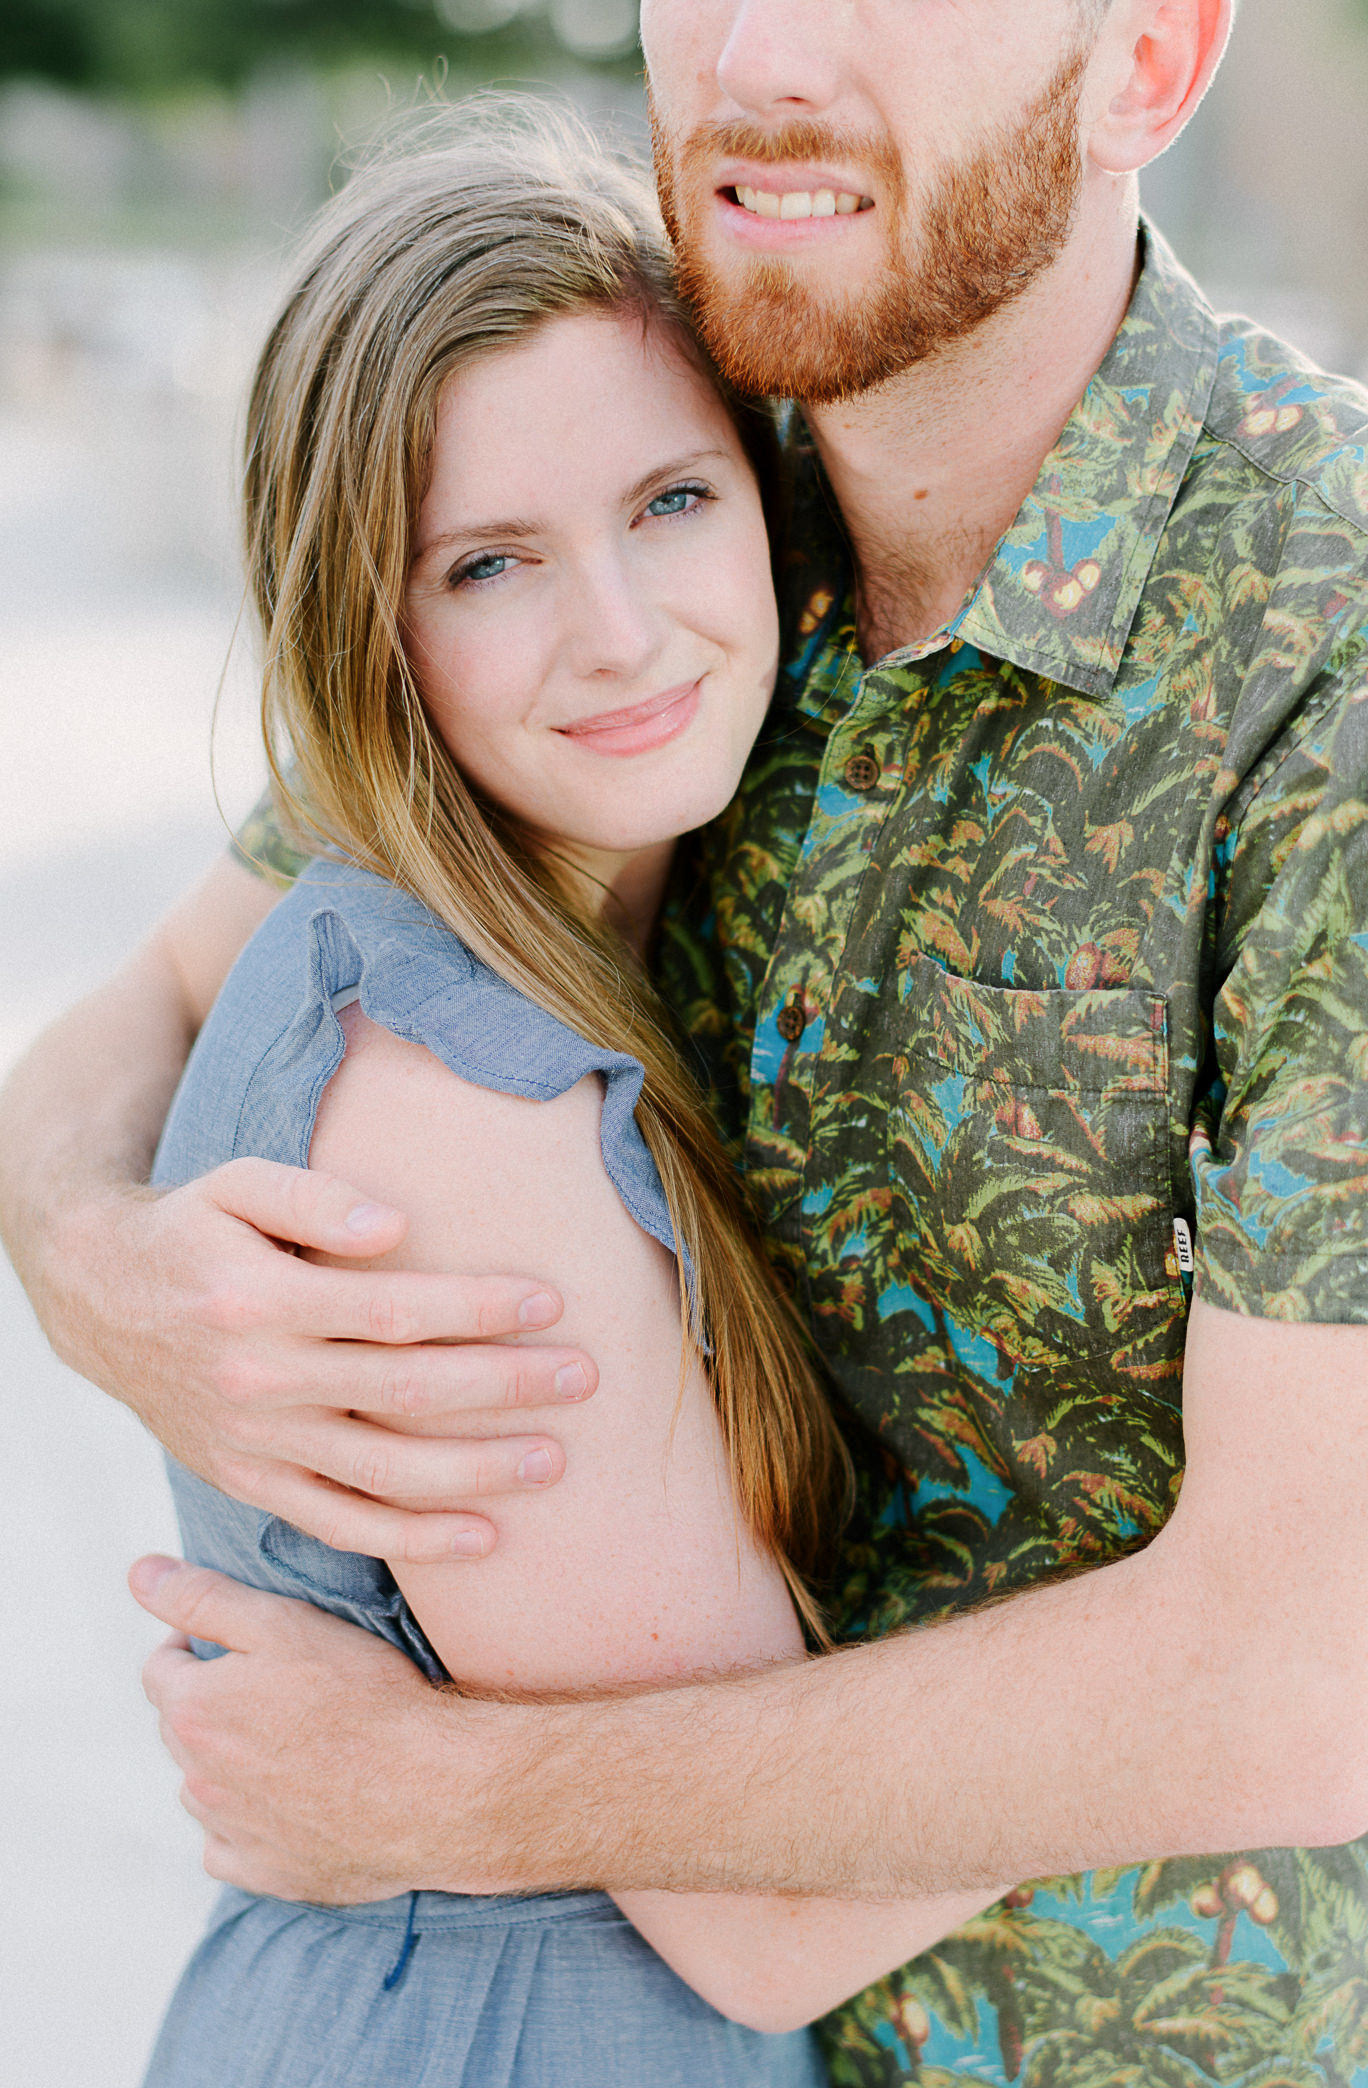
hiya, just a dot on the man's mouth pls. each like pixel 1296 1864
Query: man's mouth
pixel 798 203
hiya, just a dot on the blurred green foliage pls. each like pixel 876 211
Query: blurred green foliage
pixel 142 47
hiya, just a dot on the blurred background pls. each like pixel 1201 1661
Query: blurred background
pixel 155 156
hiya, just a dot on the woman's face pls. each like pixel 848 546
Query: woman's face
pixel 590 614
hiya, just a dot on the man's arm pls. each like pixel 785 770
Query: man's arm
pixel 81 1114
pixel 250 1365
pixel 1208 1693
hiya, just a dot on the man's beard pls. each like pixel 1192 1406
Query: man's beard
pixel 988 227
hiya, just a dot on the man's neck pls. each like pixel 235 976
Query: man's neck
pixel 931 470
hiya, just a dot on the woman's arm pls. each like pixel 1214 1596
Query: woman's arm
pixel 634 1569
pixel 778 1964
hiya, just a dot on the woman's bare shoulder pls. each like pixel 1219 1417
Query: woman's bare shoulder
pixel 458 1157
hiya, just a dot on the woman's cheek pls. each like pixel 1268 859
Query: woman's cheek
pixel 743 613
pixel 475 666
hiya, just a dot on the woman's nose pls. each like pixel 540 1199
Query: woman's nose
pixel 618 626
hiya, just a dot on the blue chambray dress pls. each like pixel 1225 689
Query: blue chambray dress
pixel 431 1990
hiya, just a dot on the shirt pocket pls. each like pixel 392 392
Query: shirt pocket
pixel 1028 1159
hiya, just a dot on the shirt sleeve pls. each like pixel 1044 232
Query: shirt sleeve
pixel 261 844
pixel 1280 1147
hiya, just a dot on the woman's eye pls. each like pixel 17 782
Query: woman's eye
pixel 488 566
pixel 679 500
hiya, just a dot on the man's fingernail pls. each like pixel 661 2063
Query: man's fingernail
pixel 572 1381
pixel 366 1218
pixel 470 1544
pixel 537 1311
pixel 535 1468
pixel 147 1575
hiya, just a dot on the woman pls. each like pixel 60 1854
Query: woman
pixel 508 548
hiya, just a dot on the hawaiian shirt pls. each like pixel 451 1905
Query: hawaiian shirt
pixel 1030 973
pixel 1031 969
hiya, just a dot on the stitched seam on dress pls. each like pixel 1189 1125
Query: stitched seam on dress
pixel 494 1079
pixel 506 1917
pixel 246 1094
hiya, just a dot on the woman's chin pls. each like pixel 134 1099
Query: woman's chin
pixel 656 818
pixel 639 814
pixel 644 837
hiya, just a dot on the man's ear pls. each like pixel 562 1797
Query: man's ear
pixel 1154 61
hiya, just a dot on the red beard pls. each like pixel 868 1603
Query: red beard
pixel 987 229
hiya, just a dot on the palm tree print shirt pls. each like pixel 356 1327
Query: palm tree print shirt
pixel 1031 968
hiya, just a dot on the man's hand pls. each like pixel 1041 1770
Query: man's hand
pixel 308 1747
pixel 258 1369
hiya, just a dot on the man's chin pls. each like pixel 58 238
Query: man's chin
pixel 778 341
pixel 768 333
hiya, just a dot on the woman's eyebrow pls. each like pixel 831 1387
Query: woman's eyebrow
pixel 478 532
pixel 468 532
pixel 671 470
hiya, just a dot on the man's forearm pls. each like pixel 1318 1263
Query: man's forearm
pixel 1207 1693
pixel 1106 1720
pixel 80 1118
pixel 79 1122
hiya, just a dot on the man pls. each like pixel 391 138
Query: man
pixel 1037 974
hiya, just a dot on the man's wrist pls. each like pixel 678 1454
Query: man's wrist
pixel 635 1792
pixel 512 1807
pixel 70 1269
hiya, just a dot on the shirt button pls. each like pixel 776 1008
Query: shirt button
pixel 791 1022
pixel 862 770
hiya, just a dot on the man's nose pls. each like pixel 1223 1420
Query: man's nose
pixel 783 56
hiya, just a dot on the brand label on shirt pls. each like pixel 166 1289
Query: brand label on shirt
pixel 1182 1240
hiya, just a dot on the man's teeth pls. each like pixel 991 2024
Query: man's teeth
pixel 799 203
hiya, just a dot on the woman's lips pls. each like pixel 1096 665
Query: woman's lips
pixel 643 725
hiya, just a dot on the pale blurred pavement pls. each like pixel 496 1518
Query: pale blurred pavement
pixel 115 619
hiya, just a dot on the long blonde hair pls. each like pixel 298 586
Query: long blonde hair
pixel 430 257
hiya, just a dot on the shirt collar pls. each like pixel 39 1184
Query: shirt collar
pixel 1061 593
